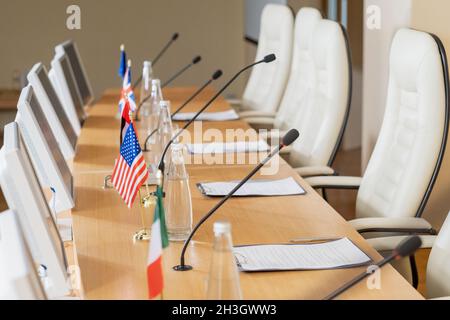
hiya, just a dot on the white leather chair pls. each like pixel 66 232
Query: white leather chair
pixel 408 155
pixel 438 270
pixel 300 74
pixel 318 97
pixel 267 83
pixel 323 115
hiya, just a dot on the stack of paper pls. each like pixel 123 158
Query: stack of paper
pixel 283 187
pixel 331 255
pixel 208 116
pixel 228 147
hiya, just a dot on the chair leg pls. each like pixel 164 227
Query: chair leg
pixel 415 273
pixel 324 195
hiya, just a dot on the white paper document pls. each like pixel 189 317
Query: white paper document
pixel 283 187
pixel 331 255
pixel 227 147
pixel 207 116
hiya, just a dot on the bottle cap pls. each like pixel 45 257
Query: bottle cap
pixel 221 227
pixel 147 64
pixel 156 82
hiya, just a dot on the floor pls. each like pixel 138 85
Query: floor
pixel 347 163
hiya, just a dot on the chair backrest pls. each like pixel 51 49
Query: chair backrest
pixel 407 157
pixel 267 82
pixel 438 270
pixel 321 112
pixel 302 71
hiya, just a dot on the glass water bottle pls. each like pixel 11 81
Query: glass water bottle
pixel 155 98
pixel 223 282
pixel 165 123
pixel 152 141
pixel 146 90
pixel 178 201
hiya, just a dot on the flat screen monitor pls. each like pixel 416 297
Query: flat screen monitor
pixel 51 168
pixel 25 196
pixel 53 110
pixel 70 48
pixel 63 81
pixel 19 279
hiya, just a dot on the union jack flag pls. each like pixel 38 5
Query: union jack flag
pixel 130 170
pixel 127 102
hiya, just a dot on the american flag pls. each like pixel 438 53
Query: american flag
pixel 130 171
pixel 127 102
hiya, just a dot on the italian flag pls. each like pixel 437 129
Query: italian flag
pixel 158 241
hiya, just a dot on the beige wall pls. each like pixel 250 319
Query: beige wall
pixel 298 4
pixel 30 29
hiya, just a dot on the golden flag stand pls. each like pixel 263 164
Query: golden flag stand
pixel 144 203
pixel 144 233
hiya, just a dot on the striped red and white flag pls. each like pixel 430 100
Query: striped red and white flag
pixel 130 170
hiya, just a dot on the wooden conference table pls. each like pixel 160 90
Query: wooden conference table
pixel 114 267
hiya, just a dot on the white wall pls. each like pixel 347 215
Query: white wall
pixel 394 14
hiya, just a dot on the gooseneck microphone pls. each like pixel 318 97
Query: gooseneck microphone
pixel 164 49
pixel 194 61
pixel 406 248
pixel 267 59
pixel 288 139
pixel 158 56
pixel 214 77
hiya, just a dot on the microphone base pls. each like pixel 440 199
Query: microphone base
pixel 183 268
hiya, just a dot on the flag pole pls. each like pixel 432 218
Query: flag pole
pixel 159 184
pixel 144 233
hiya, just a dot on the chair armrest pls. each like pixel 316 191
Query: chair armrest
pixel 397 225
pixel 257 114
pixel 390 243
pixel 261 123
pixel 315 171
pixel 334 182
pixel 260 120
pixel 235 102
pixel 272 135
pixel 286 150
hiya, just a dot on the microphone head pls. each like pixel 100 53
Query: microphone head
pixel 290 137
pixel 217 74
pixel 408 246
pixel 269 58
pixel 197 59
pixel 175 36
